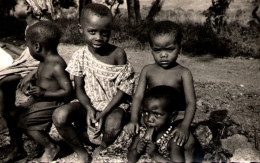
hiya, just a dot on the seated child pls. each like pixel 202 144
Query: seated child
pixel 165 41
pixel 21 68
pixel 50 89
pixel 104 80
pixel 157 138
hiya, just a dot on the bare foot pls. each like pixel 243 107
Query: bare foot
pixel 15 155
pixel 98 150
pixel 3 125
pixel 50 154
pixel 84 157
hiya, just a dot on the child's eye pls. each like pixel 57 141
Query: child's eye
pixel 157 115
pixel 156 50
pixel 105 33
pixel 170 49
pixel 145 113
pixel 92 32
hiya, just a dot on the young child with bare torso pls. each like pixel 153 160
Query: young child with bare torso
pixel 159 111
pixel 104 79
pixel 49 88
pixel 165 41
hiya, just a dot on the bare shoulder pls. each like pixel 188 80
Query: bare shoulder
pixel 120 55
pixel 149 67
pixel 185 72
pixel 58 62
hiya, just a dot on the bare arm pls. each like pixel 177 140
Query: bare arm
pixel 182 132
pixel 84 99
pixel 81 94
pixel 190 98
pixel 139 94
pixel 63 79
pixel 132 127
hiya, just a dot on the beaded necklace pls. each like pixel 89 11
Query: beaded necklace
pixel 164 135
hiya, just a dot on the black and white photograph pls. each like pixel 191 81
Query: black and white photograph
pixel 113 81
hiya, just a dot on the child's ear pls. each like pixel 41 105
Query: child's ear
pixel 37 47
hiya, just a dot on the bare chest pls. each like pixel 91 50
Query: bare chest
pixel 171 78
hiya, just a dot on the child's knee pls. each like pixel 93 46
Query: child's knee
pixel 60 116
pixel 190 143
pixel 114 122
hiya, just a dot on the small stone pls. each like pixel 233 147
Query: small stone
pixel 234 142
pixel 246 155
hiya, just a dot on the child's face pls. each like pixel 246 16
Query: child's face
pixel 155 114
pixel 164 50
pixel 97 30
pixel 21 9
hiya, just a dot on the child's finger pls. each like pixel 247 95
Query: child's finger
pixel 137 129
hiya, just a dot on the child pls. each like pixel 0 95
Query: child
pixel 165 41
pixel 104 79
pixel 157 138
pixel 51 89
pixel 25 64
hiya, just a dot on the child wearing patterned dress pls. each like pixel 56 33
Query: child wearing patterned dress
pixel 156 139
pixel 104 80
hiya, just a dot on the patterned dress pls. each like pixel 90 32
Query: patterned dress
pixel 101 80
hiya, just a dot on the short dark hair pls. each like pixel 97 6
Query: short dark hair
pixel 163 92
pixel 166 27
pixel 44 32
pixel 97 9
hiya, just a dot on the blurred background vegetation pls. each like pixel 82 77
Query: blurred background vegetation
pixel 219 29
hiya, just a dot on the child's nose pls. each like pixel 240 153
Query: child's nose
pixel 163 54
pixel 150 119
pixel 99 37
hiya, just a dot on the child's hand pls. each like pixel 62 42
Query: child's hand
pixel 99 120
pixel 132 128
pixel 181 135
pixel 36 91
pixel 26 88
pixel 91 118
pixel 151 149
pixel 140 147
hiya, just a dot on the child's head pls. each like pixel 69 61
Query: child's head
pixel 165 41
pixel 159 106
pixel 43 35
pixel 96 21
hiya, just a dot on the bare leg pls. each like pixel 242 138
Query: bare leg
pixel 178 153
pixel 62 118
pixel 114 124
pixel 18 151
pixel 7 98
pixel 189 149
pixel 50 148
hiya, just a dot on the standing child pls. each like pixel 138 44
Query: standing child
pixel 157 138
pixel 165 41
pixel 104 79
pixel 50 88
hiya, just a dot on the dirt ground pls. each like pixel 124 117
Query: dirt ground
pixel 230 84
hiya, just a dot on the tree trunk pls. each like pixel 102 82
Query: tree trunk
pixel 131 13
pixel 82 3
pixel 137 11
